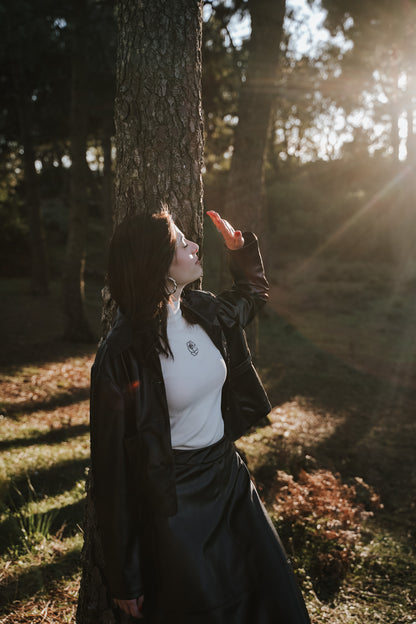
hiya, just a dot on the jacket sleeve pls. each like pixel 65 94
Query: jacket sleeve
pixel 113 492
pixel 250 289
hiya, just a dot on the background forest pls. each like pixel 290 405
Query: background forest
pixel 335 462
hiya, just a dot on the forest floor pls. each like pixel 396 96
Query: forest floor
pixel 338 357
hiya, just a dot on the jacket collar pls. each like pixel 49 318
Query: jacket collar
pixel 206 307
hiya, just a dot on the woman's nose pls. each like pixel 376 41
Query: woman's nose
pixel 196 248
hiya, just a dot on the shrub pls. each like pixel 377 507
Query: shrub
pixel 319 519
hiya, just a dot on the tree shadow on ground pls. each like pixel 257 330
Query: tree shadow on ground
pixel 44 483
pixel 64 521
pixel 50 481
pixel 59 434
pixel 52 350
pixel 59 399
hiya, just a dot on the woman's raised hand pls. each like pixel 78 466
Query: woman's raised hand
pixel 132 607
pixel 232 238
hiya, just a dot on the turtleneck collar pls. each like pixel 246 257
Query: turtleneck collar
pixel 174 311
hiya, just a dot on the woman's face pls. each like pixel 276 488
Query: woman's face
pixel 185 267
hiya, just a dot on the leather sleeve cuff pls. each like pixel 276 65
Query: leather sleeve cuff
pixel 249 239
pixel 246 266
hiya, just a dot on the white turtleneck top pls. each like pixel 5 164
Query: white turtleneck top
pixel 193 383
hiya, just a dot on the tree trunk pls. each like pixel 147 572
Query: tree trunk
pixel 158 109
pixel 245 193
pixel 411 138
pixel 159 143
pixel 245 199
pixel 40 273
pixel 395 130
pixel 77 327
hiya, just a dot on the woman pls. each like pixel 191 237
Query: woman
pixel 184 536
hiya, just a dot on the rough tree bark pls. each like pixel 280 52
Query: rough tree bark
pixel 159 142
pixel 77 327
pixel 158 109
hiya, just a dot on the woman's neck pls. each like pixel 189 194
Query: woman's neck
pixel 176 296
pixel 174 304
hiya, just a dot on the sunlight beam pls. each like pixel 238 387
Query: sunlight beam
pixel 333 238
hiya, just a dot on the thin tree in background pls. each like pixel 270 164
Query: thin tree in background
pixel 245 193
pixel 102 54
pixel 39 256
pixel 159 142
pixel 23 29
pixel 77 327
pixel 245 190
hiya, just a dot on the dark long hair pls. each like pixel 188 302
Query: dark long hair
pixel 140 254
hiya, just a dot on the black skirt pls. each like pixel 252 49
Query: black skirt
pixel 219 560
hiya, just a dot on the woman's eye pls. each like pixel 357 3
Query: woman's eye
pixel 185 245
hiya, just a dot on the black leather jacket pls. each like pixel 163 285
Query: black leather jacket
pixel 131 451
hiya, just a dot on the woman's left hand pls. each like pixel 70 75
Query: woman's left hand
pixel 232 238
pixel 133 607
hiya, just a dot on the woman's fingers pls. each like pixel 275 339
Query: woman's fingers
pixel 233 239
pixel 140 604
pixel 229 227
pixel 132 607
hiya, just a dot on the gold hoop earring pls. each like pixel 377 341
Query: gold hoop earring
pixel 175 285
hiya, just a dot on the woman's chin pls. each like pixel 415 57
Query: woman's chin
pixel 196 274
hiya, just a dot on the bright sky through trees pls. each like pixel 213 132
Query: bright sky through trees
pixel 306 27
pixel 309 37
pixel 333 128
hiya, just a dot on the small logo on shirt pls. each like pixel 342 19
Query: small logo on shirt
pixel 192 348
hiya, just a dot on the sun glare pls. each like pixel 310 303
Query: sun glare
pixel 333 238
